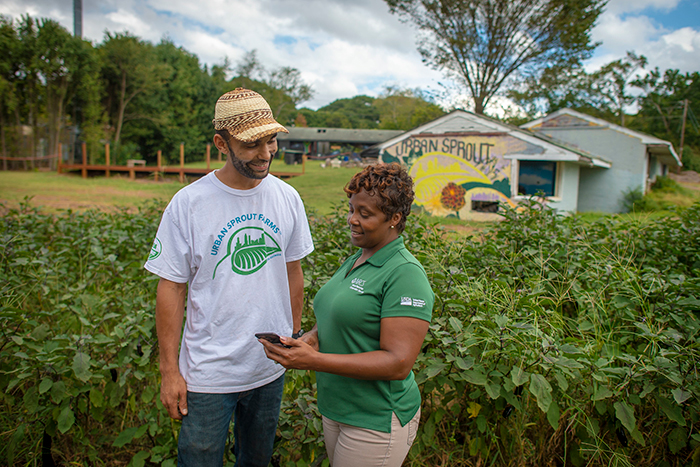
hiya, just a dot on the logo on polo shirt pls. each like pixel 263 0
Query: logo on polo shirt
pixel 358 285
pixel 408 301
pixel 249 248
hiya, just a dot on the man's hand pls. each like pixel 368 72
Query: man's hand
pixel 173 395
pixel 311 338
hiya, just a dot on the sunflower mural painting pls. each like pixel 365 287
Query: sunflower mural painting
pixel 462 176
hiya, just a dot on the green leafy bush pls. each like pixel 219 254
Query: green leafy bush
pixel 555 341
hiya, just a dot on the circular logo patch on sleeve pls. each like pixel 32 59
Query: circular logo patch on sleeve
pixel 155 249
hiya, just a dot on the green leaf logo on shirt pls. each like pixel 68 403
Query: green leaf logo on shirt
pixel 249 249
pixel 155 249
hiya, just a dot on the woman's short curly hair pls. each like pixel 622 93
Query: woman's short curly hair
pixel 392 185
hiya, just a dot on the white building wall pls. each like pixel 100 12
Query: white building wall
pixel 603 190
pixel 568 188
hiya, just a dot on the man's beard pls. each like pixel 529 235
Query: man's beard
pixel 243 168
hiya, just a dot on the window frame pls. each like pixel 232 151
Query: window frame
pixel 556 179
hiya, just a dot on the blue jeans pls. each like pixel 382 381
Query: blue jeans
pixel 204 429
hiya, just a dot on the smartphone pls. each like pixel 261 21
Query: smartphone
pixel 270 337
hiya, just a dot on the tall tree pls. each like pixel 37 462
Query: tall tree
pixel 10 45
pixel 186 104
pixel 283 87
pixel 131 70
pixel 483 43
pixel 289 81
pixel 556 88
pixel 28 81
pixel 661 109
pixel 63 61
pixel 610 84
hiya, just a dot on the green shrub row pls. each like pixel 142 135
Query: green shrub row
pixel 554 342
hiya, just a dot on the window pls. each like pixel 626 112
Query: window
pixel 537 176
pixel 484 206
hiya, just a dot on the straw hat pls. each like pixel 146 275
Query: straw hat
pixel 246 115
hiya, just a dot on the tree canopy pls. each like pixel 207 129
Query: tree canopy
pixel 483 43
pixel 395 109
pixel 144 97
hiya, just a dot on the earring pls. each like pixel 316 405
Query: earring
pixel 392 226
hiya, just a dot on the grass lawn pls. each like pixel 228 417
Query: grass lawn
pixel 319 188
pixel 52 191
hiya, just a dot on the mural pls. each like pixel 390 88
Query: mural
pixel 565 121
pixel 461 176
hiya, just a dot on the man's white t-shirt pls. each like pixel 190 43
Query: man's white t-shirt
pixel 231 247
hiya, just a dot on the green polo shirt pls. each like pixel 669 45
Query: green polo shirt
pixel 349 309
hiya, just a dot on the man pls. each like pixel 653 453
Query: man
pixel 229 245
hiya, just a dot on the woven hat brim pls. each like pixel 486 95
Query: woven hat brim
pixel 253 134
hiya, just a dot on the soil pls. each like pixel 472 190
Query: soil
pixel 689 177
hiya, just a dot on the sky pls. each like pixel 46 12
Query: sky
pixel 344 48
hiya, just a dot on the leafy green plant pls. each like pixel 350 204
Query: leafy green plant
pixel 555 341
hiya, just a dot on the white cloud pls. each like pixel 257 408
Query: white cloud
pixel 628 6
pixel 124 20
pixel 341 47
pixel 677 50
pixel 687 39
pixel 620 35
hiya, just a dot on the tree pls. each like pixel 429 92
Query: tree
pixel 130 70
pixel 609 85
pixel 557 88
pixel 28 81
pixel 283 88
pixel 10 45
pixel 483 43
pixel 359 111
pixel 63 61
pixel 661 109
pixel 249 66
pixel 288 80
pixel 185 104
pixel 405 109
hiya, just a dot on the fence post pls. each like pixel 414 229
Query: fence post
pixel 107 173
pixel 182 162
pixel 303 164
pixel 83 170
pixel 208 156
pixel 60 158
pixel 160 154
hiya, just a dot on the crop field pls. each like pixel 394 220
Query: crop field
pixel 554 341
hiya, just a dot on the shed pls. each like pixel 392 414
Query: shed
pixel 319 142
pixel 464 165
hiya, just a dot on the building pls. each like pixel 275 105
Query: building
pixel 465 165
pixel 637 159
pixel 321 142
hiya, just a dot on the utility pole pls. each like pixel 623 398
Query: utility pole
pixel 78 18
pixel 685 115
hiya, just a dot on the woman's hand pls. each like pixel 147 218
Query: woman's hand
pixel 299 355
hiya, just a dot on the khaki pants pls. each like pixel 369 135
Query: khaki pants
pixel 350 446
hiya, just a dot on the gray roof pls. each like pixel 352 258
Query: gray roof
pixel 338 135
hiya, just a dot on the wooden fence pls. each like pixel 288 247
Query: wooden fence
pixel 138 165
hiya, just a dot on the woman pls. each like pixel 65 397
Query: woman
pixel 372 317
